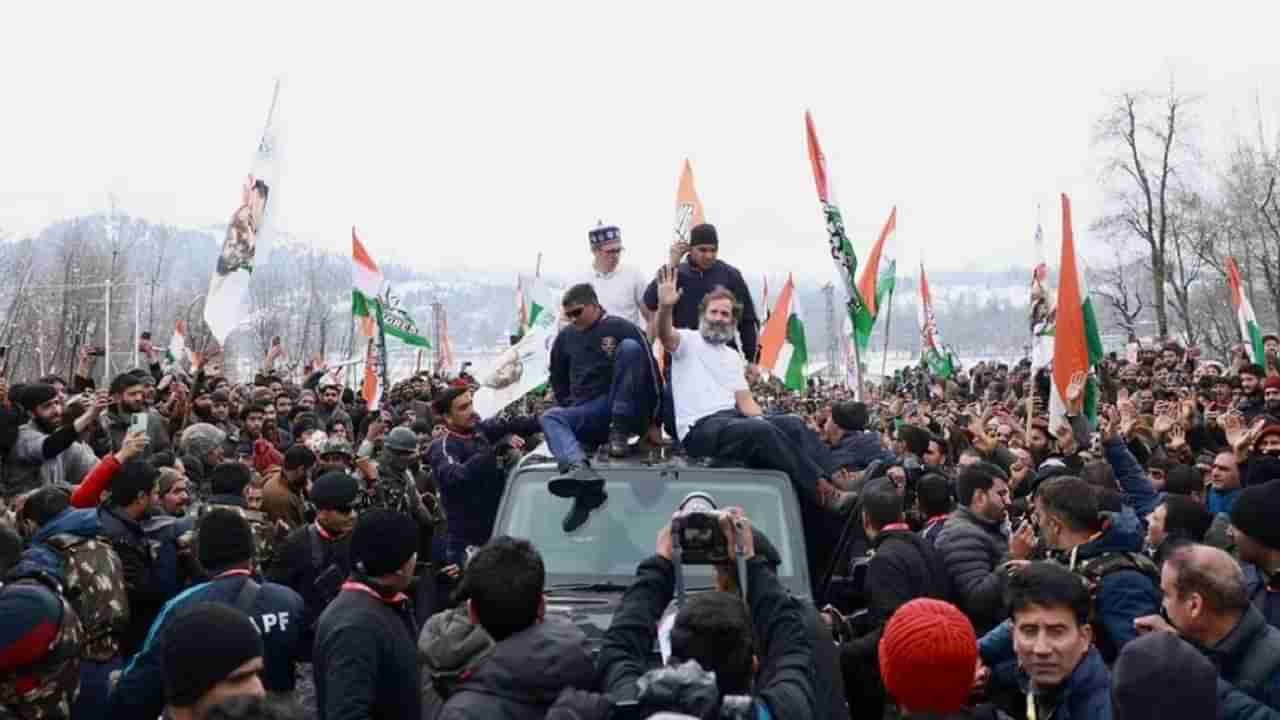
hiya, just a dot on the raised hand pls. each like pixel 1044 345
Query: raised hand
pixel 679 249
pixel 1075 390
pixel 1177 437
pixel 669 292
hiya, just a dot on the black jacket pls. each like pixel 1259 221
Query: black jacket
pixel 903 568
pixel 301 560
pixel 784 648
pixel 524 675
pixel 971 550
pixel 696 284
pixel 1249 658
pixel 365 657
pixel 149 554
pixel 582 360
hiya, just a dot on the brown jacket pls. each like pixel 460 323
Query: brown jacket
pixel 281 503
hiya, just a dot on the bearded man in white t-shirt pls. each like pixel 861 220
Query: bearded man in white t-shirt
pixel 716 414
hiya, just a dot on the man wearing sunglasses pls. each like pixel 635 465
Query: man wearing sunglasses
pixel 606 390
pixel 620 287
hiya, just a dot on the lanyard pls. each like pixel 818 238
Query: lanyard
pixel 233 573
pixel 361 587
pixel 895 526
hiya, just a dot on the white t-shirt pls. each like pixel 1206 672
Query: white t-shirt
pixel 621 292
pixel 704 378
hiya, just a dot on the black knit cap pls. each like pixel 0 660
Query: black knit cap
pixel 203 645
pixel 1140 686
pixel 36 394
pixel 383 542
pixel 334 491
pixel 223 540
pixel 704 234
pixel 1255 511
pixel 850 416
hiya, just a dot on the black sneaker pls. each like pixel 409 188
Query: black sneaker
pixel 578 479
pixel 618 445
pixel 583 505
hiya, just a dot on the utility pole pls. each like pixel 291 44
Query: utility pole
pixel 437 334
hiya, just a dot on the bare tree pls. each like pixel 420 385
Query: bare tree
pixel 1144 171
pixel 1120 286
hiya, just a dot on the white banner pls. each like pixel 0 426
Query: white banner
pixel 252 225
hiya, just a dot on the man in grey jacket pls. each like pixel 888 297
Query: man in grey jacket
pixel 35 458
pixel 975 545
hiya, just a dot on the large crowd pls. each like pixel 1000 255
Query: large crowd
pixel 176 543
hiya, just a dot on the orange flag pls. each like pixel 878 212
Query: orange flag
pixel 688 206
pixel 871 270
pixel 775 330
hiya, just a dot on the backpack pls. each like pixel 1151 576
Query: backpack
pixel 265 534
pixel 328 576
pixel 95 588
pixel 1094 571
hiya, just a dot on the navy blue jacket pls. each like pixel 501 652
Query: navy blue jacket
pixel 582 360
pixel 278 613
pixel 1086 694
pixel 857 450
pixel 696 284
pixel 465 468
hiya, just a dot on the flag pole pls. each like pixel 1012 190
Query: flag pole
pixel 382 353
pixel 857 353
pixel 888 323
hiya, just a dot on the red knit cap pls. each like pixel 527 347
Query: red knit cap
pixel 928 655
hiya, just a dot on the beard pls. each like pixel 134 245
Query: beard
pixel 47 426
pixel 1273 407
pixel 715 333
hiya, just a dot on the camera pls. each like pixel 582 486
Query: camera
pixel 696 530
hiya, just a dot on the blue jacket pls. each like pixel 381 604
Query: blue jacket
pixel 857 450
pixel 1134 481
pixel 82 523
pixel 1086 694
pixel 1221 502
pixel 465 468
pixel 1124 595
pixel 278 613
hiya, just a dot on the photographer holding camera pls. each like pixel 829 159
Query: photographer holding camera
pixel 717 630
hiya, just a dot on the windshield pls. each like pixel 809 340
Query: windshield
pixel 641 501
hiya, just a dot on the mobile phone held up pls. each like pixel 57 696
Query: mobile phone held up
pixel 138 424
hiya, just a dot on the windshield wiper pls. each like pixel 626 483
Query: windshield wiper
pixel 598 587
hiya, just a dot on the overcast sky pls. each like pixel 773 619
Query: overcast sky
pixel 475 135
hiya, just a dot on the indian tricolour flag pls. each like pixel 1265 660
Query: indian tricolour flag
pixel 873 284
pixel 1248 322
pixel 935 355
pixel 367 284
pixel 783 352
pixel 1077 345
pixel 177 344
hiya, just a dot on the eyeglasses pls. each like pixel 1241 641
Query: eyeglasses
pixel 574 313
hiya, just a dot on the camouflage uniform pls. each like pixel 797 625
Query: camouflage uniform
pixel 94 573
pixel 266 536
pixel 57 675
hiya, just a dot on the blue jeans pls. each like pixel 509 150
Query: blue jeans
pixel 632 399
